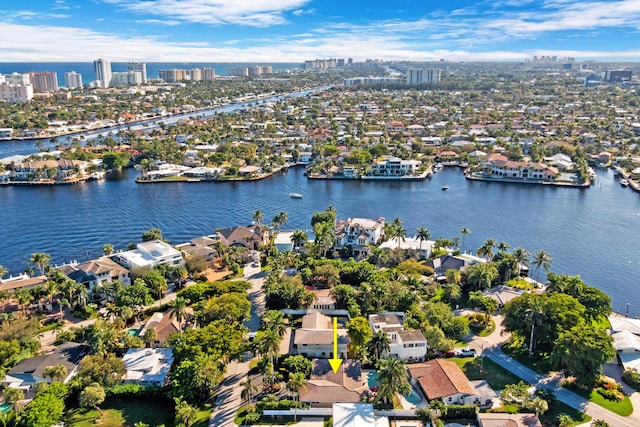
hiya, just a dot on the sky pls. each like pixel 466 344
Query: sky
pixel 297 30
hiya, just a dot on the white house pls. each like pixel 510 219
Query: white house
pixel 422 247
pixel 394 167
pixel 148 366
pixel 358 233
pixel 96 272
pixel 149 254
pixel 315 337
pixel 406 345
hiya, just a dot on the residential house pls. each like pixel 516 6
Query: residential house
pixel 422 247
pixel 22 281
pixel 441 380
pixel 625 333
pixel 251 236
pixel 393 167
pixel 96 272
pixel 324 301
pixel 149 254
pixel 52 169
pixel 408 345
pixel 508 420
pixel 315 337
pixel 325 387
pixel 456 262
pixel 164 324
pixel 148 366
pixel 200 246
pixel 29 372
pixel 358 233
pixel 521 170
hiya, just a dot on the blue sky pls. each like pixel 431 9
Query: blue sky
pixel 295 30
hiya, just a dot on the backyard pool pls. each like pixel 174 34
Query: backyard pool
pixel 372 381
pixel 5 407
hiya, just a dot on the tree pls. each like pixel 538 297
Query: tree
pixel 180 310
pixel 107 249
pixel 13 395
pixel 258 216
pixel 297 382
pixel 248 390
pixel 41 260
pixel 150 336
pixel 195 264
pixel 423 234
pixel 581 352
pixel 185 413
pixel 298 364
pixel 465 231
pixel 280 219
pixel 379 344
pixel 156 282
pixel 106 370
pixel 299 238
pixel 152 234
pixel 395 231
pixel 515 393
pixel 274 320
pixel 233 307
pixel 92 396
pixel 392 379
pixel 482 275
pixel 55 372
pixel 359 335
pixel 542 259
pixel 486 250
pixel 521 256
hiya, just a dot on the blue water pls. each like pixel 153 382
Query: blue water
pixel 372 381
pixel 88 73
pixel 592 232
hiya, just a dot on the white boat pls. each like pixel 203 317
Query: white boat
pixel 445 187
pixel 295 195
pixel 624 182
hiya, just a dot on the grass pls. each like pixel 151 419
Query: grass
pixel 520 284
pixel 203 416
pixel 558 408
pixel 623 408
pixel 481 368
pixel 482 330
pixel 118 413
pixel 516 349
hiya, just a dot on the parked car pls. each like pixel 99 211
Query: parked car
pixel 450 353
pixel 466 352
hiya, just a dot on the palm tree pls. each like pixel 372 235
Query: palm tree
pixel 258 216
pixel 41 260
pixel 296 382
pixel 392 378
pixel 274 319
pixel 464 232
pixel 107 249
pixel 248 390
pixel 3 271
pixel 542 259
pixel 55 372
pixel 379 344
pixel 299 238
pixel 486 250
pixel 280 219
pixel 503 246
pixel 397 231
pixel 268 344
pixel 521 257
pixel 23 296
pixel 534 315
pixel 180 310
pixel 423 234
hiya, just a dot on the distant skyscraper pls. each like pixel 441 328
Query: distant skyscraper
pixel 419 75
pixel 138 67
pixel 208 74
pixel 73 80
pixel 126 78
pixel 45 81
pixel 103 72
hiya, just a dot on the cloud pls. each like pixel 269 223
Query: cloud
pixel 166 22
pixel 256 13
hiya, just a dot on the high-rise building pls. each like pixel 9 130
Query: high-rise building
pixel 45 81
pixel 17 79
pixel 208 74
pixel 420 75
pixel 172 76
pixel 73 80
pixel 126 78
pixel 103 72
pixel 15 93
pixel 195 74
pixel 139 67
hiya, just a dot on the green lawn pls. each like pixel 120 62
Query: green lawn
pixel 558 408
pixel 623 408
pixel 481 368
pixel 203 416
pixel 120 413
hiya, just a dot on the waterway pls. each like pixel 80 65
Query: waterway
pixel 593 232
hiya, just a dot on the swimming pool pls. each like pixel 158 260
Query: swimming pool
pixel 5 407
pixel 372 381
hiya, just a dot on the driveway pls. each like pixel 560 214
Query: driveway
pixel 491 347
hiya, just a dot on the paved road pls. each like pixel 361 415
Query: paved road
pixel 491 347
pixel 228 400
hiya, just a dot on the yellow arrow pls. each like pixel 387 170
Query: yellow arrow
pixel 335 362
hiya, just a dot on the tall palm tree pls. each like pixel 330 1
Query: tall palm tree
pixel 248 390
pixel 423 234
pixel 41 260
pixel 258 216
pixel 464 232
pixel 268 344
pixel 280 219
pixel 392 379
pixel 24 297
pixel 503 246
pixel 542 259
pixel 379 344
pixel 180 310
pixel 296 382
pixel 521 257
pixel 397 231
pixel 534 316
pixel 274 319
pixel 299 238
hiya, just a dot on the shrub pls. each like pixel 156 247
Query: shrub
pixel 613 395
pixel 632 377
pixel 459 411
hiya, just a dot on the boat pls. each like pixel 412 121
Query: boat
pixel 295 195
pixel 624 182
pixel 445 187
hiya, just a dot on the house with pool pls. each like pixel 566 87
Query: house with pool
pixel 407 345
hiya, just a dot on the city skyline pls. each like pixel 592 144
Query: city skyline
pixel 296 30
